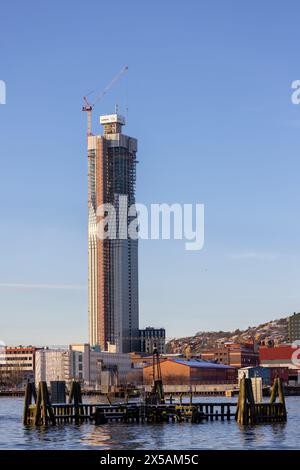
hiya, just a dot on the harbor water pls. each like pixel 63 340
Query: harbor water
pixel 207 435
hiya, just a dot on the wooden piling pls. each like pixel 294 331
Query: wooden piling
pixel 30 396
pixel 277 391
pixel 43 408
pixel 76 397
pixel 249 412
pixel 246 410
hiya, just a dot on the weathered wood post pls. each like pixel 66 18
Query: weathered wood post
pixel 100 416
pixel 282 399
pixel 274 391
pixel 246 410
pixel 43 409
pixel 30 395
pixel 44 414
pixel 277 390
pixel 241 402
pixel 76 397
pixel 222 412
pixel 48 406
pixel 37 414
pixel 77 401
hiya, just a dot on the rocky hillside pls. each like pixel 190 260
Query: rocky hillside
pixel 275 331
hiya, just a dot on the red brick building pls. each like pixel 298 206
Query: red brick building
pixel 232 354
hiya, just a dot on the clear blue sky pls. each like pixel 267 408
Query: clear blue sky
pixel 208 93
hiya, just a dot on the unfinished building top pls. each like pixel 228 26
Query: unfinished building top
pixel 112 118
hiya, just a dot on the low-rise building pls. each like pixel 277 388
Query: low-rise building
pixel 139 361
pixel 17 364
pixel 191 372
pixel 267 374
pixel 114 365
pixel 83 363
pixel 57 364
pixel 283 355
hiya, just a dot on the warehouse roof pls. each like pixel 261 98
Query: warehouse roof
pixel 201 364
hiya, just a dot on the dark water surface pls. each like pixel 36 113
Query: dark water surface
pixel 208 435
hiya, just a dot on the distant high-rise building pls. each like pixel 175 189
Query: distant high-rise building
pixel 294 327
pixel 153 338
pixel 113 263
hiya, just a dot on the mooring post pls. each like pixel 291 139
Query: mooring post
pixel 44 414
pixel 27 401
pixel 228 412
pixel 251 416
pixel 77 401
pixel 246 409
pixel 274 391
pixel 100 417
pixel 37 414
pixel 43 408
pixel 30 395
pixel 282 398
pixel 240 409
pixel 277 390
pixel 48 405
pixel 71 393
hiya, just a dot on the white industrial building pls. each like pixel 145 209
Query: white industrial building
pixel 81 362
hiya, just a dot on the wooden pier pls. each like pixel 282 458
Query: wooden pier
pixel 39 411
pixel 130 413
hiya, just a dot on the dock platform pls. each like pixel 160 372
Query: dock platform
pixel 38 410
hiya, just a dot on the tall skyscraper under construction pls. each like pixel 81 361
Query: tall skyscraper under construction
pixel 113 263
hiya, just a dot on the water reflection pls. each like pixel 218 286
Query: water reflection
pixel 98 436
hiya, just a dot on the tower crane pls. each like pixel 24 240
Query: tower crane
pixel 88 107
pixel 157 383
